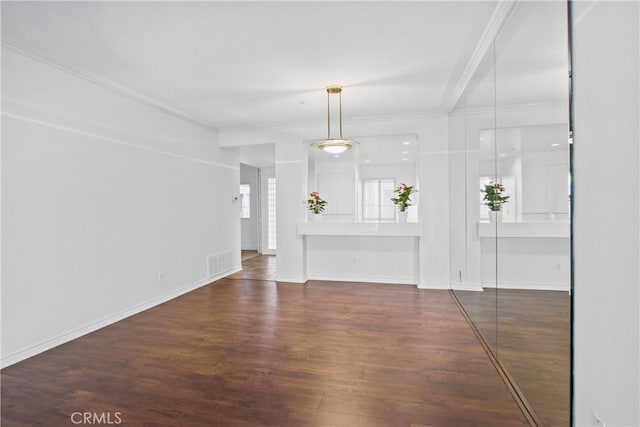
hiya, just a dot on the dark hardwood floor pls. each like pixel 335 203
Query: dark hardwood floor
pixel 247 352
pixel 256 266
pixel 530 333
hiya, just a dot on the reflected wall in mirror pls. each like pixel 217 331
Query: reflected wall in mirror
pixel 358 184
pixel 514 273
pixel 471 128
pixel 533 165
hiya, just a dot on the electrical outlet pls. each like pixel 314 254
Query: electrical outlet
pixel 596 421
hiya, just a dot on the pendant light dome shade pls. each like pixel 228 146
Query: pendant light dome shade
pixel 334 145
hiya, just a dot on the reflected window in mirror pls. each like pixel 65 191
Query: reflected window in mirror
pixel 376 200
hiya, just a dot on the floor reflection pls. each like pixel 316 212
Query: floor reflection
pixel 532 337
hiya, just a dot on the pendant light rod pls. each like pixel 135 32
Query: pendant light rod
pixel 333 89
pixel 328 115
pixel 340 99
pixel 334 145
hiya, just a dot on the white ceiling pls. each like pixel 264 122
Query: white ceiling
pixel 236 64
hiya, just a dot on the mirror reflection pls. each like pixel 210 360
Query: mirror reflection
pixel 509 134
pixel 359 183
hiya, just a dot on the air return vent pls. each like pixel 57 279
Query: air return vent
pixel 219 263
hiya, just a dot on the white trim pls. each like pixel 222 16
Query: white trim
pixel 434 285
pixel 473 287
pixel 516 108
pixel 290 279
pixel 498 18
pixel 362 279
pixel 102 82
pixel 289 127
pixel 531 286
pixel 115 141
pixel 106 321
pixel 361 229
pixel 285 162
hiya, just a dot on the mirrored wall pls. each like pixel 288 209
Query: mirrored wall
pixel 360 183
pixel 510 183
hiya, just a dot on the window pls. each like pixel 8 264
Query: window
pixel 245 201
pixel 376 200
pixel 271 213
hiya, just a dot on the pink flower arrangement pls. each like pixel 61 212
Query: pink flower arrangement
pixel 403 199
pixel 315 203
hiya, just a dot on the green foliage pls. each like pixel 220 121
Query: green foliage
pixel 403 196
pixel 493 196
pixel 315 203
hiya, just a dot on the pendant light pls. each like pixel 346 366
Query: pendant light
pixel 334 145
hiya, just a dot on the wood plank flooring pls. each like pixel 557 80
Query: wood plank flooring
pixel 246 352
pixel 259 267
pixel 531 331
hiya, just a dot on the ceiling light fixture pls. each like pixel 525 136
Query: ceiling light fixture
pixel 334 145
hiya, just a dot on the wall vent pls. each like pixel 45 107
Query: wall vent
pixel 219 263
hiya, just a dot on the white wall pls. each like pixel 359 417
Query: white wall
pixel 336 183
pixel 433 211
pixel 363 259
pixel 109 206
pixel 249 226
pixel 606 230
pixel 291 208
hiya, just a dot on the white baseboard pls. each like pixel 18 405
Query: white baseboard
pixel 291 279
pixel 75 333
pixel 474 287
pixel 376 279
pixel 434 285
pixel 530 286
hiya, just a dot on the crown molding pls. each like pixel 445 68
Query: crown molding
pixel 498 18
pixel 512 108
pixel 291 126
pixel 102 82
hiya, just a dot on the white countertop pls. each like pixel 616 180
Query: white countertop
pixel 543 229
pixel 410 229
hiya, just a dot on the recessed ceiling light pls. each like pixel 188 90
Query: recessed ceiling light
pixel 368 161
pixel 336 155
pixel 555 145
pixel 404 158
pixel 405 152
pixel 406 143
pixel 503 154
